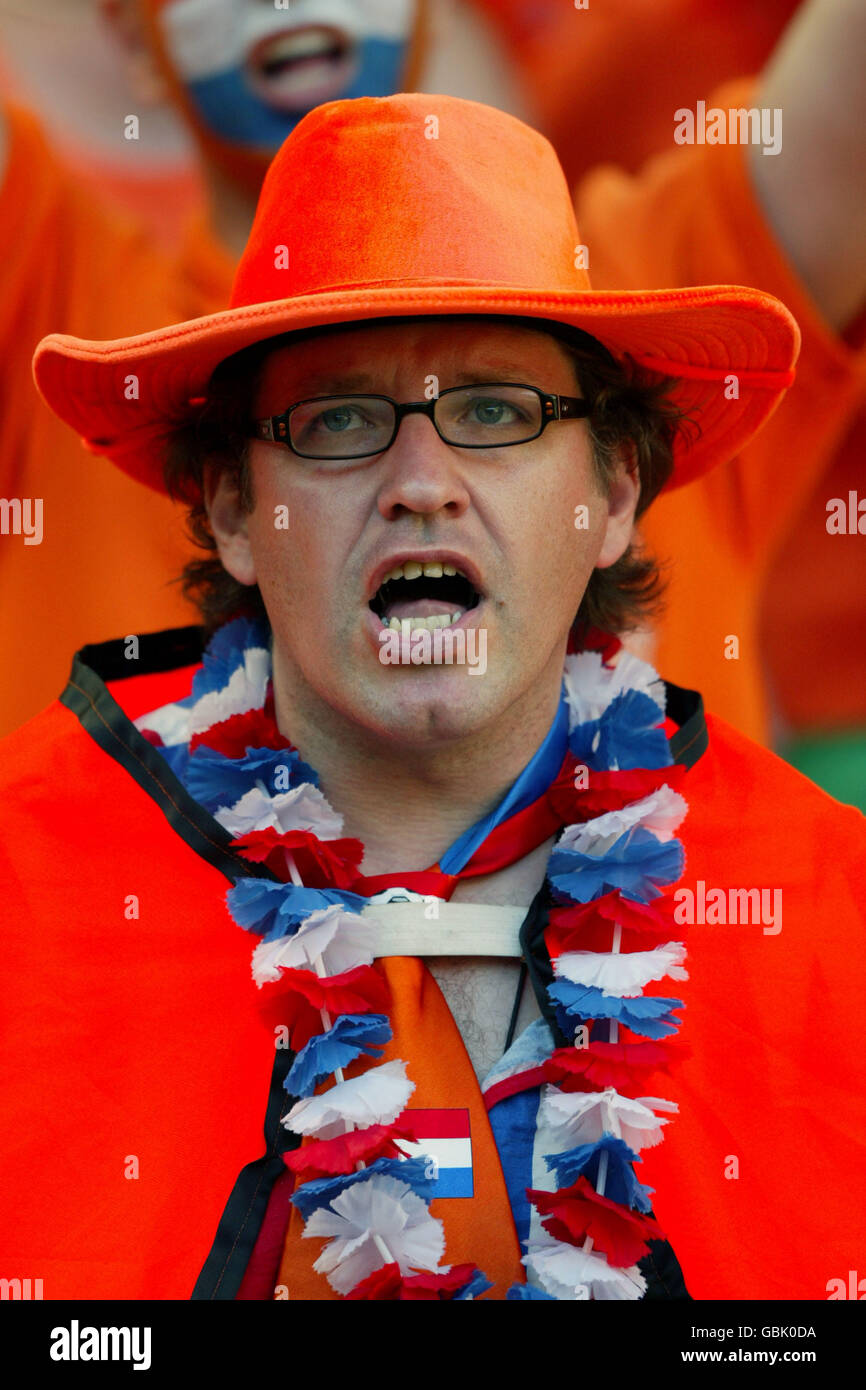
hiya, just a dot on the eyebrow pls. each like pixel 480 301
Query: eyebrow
pixel 322 382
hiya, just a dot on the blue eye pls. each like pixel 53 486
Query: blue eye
pixel 338 418
pixel 493 412
pixel 321 428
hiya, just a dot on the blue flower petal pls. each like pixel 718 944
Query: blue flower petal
pixel 351 1035
pixel 225 653
pixel 637 864
pixel 628 734
pixel 320 1192
pixel 215 780
pixel 621 1184
pixel 647 1015
pixel 479 1283
pixel 273 910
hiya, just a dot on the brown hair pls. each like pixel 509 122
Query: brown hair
pixel 631 409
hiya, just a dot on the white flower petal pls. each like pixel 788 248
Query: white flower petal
pixel 590 685
pixel 661 812
pixel 380 1206
pixel 581 1117
pixel 245 690
pixel 618 973
pixel 342 939
pixel 567 1272
pixel 376 1097
pixel 171 722
pixel 305 808
pixel 302 808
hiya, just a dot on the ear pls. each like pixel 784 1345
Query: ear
pixel 622 504
pixel 229 523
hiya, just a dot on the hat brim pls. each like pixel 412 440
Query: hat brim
pixel 731 349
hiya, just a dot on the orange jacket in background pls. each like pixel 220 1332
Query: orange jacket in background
pixel 109 547
pixel 691 218
pixel 604 81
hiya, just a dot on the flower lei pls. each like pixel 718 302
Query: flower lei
pixel 608 937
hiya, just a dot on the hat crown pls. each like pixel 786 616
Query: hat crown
pixel 408 190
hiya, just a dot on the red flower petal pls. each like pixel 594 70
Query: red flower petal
pixel 607 791
pixel 437 1286
pixel 589 926
pixel 387 1284
pixel 233 736
pixel 623 1065
pixel 359 991
pixel 583 637
pixel 324 1158
pixel 301 1019
pixel 575 1212
pixel 382 1285
pixel 320 863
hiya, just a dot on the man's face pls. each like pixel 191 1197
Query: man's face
pixel 506 518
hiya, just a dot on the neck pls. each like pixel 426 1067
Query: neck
pixel 408 804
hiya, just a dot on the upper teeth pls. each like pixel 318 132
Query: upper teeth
pixel 413 569
pixel 303 45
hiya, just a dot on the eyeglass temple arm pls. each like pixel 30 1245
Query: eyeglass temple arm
pixel 566 408
pixel 275 428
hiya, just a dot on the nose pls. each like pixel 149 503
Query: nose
pixel 421 474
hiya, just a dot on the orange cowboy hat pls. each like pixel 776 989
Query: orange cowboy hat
pixel 412 205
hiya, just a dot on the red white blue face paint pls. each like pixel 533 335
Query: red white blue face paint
pixel 252 71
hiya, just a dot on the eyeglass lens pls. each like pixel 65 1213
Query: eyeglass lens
pixel 473 416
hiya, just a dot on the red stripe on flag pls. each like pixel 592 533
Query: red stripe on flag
pixel 437 1124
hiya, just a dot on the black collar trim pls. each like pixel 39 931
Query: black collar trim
pixel 686 708
pixel 101 716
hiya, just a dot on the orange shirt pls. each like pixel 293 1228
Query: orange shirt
pixel 691 218
pixel 604 81
pixel 109 547
pixel 815 646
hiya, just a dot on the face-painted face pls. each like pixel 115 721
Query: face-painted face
pixel 252 70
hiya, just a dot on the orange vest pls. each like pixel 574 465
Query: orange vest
pixel 141 1065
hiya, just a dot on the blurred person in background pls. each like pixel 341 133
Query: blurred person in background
pixel 240 73
pixel 70 261
pixel 790 589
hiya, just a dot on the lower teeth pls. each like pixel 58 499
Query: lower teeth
pixel 413 624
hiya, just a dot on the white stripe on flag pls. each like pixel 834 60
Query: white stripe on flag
pixel 448 1153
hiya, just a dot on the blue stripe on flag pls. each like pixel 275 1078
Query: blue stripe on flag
pixel 453 1182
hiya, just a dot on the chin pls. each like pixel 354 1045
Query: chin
pixel 425 710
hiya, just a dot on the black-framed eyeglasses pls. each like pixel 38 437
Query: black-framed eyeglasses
pixel 487 415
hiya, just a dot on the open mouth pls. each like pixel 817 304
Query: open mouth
pixel 299 68
pixel 430 595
